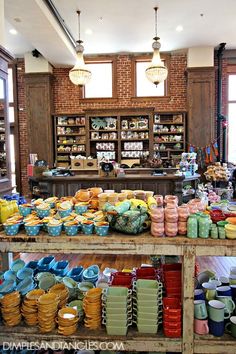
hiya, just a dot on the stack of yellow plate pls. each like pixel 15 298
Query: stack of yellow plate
pixel 67 321
pixel 230 231
pixel 29 307
pixel 47 311
pixel 92 306
pixel 62 292
pixel 10 308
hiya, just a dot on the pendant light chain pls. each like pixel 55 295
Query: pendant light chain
pixel 155 8
pixel 78 12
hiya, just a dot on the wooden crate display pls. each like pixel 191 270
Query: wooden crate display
pixel 77 164
pixel 91 164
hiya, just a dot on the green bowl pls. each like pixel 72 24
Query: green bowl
pixel 222 223
pixel 117 331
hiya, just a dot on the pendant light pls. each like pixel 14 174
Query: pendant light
pixel 156 72
pixel 79 74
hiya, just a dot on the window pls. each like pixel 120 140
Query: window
pixel 232 117
pixel 102 83
pixel 142 87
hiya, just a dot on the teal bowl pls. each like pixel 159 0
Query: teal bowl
pixel 24 211
pixel 64 213
pixel 32 230
pixel 80 209
pixel 42 213
pixel 11 230
pixel 71 230
pixel 102 230
pixel 87 229
pixel 54 230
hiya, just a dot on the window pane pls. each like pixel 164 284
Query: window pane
pixel 144 87
pixel 100 84
pixel 10 85
pixel 231 133
pixel 11 115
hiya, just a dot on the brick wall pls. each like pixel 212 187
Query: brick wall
pixel 67 97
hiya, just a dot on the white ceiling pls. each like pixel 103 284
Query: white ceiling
pixel 119 26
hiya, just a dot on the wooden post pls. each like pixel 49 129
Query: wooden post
pixel 188 273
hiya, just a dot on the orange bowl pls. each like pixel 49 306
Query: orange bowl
pixel 231 220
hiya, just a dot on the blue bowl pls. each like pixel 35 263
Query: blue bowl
pixel 17 265
pixel 8 286
pixel 9 275
pixel 25 273
pixel 11 230
pixel 25 285
pixel 24 211
pixel 80 209
pixel 64 213
pixel 32 230
pixel 54 230
pixel 102 230
pixel 75 273
pixel 87 229
pixel 71 230
pixel 91 273
pixel 46 263
pixel 32 264
pixel 60 268
pixel 43 213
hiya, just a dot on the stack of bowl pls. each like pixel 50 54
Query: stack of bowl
pixel 62 292
pixel 75 273
pixel 172 317
pixel 93 308
pixel 147 305
pixel 10 308
pixel 117 310
pixel 67 321
pixel 230 228
pixel 91 274
pixel 29 308
pixel 47 311
pixel 172 279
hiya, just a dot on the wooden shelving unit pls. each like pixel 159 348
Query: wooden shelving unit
pixel 121 135
pixel 3 152
pixel 142 244
pixel 69 138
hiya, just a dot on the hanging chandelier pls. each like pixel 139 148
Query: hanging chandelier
pixel 79 74
pixel 156 72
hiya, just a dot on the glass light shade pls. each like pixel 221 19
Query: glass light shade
pixel 79 75
pixel 156 71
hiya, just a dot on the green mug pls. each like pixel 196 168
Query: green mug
pixel 200 311
pixel 231 326
pixel 217 311
pixel 232 279
pixel 227 300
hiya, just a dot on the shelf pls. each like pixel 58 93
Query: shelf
pixel 169 123
pixel 71 125
pixel 70 152
pixel 168 133
pixel 98 140
pixel 126 140
pixel 116 243
pixel 132 342
pixel 168 142
pixel 72 134
pixel 70 143
pixel 135 130
pixel 103 130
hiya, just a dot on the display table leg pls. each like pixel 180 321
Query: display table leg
pixel 188 277
pixel 7 259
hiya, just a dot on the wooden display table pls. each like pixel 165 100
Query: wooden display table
pixel 142 244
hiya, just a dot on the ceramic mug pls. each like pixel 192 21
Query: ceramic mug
pixel 224 291
pixel 231 326
pixel 210 290
pixel 217 311
pixel 216 328
pixel 215 282
pixel 224 280
pixel 200 311
pixel 232 270
pixel 199 294
pixel 232 279
pixel 201 326
pixel 233 291
pixel 227 300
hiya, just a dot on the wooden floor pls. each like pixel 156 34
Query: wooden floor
pixel 221 265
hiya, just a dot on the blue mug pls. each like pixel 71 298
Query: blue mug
pixel 233 290
pixel 224 290
pixel 216 328
pixel 199 294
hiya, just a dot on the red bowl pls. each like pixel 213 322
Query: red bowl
pixel 171 303
pixel 144 272
pixel 169 318
pixel 174 266
pixel 172 283
pixel 172 325
pixel 122 282
pixel 173 312
pixel 172 333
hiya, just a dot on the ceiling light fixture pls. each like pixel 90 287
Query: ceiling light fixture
pixel 13 31
pixel 156 72
pixel 79 74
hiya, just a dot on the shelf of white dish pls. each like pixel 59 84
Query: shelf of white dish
pixel 134 341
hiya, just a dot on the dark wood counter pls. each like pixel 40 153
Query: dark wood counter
pixel 64 186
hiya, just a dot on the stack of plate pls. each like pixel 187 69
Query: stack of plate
pixel 117 309
pixel 147 305
pixel 230 230
pixel 10 308
pixel 62 292
pixel 67 321
pixel 47 311
pixel 93 308
pixel 29 307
